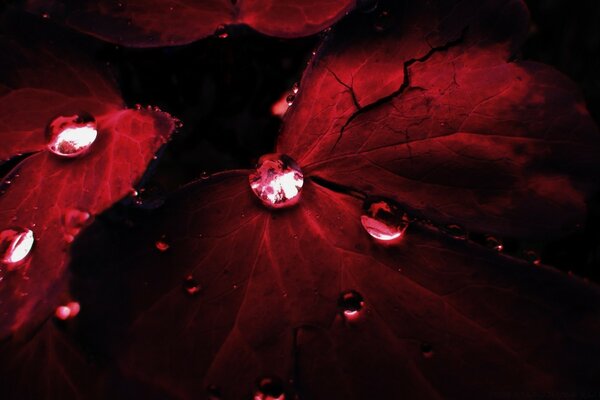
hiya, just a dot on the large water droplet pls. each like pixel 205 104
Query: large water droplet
pixel 72 135
pixel 15 246
pixel 351 303
pixel 383 220
pixel 269 388
pixel 277 181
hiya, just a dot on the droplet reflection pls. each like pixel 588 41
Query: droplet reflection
pixel 71 136
pixel 15 246
pixel 383 220
pixel 351 303
pixel 277 181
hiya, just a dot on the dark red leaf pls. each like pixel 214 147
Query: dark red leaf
pixel 432 110
pixel 441 317
pixel 148 23
pixel 52 196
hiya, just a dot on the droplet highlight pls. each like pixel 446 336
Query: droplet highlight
pixel 277 181
pixel 191 286
pixel 383 220
pixel 351 303
pixel 15 246
pixel 71 136
pixel 269 388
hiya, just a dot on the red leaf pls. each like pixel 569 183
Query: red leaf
pixel 149 23
pixel 53 196
pixel 268 305
pixel 433 113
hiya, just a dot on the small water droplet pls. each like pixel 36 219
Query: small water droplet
pixel 277 181
pixel 45 15
pixel 191 285
pixel 213 392
pixel 162 245
pixel 15 246
pixel 71 136
pixel 269 388
pixel 384 21
pixel 456 231
pixel 204 175
pixel 532 257
pixel 295 88
pixel 383 220
pixel 73 221
pixel 62 313
pixel 427 350
pixel 494 243
pixel 290 99
pixel 221 32
pixel 351 303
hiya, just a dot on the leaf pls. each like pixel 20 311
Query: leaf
pixel 41 80
pixel 436 113
pixel 269 304
pixel 143 23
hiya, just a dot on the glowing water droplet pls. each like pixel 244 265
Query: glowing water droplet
pixel 73 221
pixel 295 88
pixel 532 257
pixel 191 286
pixel 277 181
pixel 290 99
pixel 162 245
pixel 15 246
pixel 427 350
pixel 269 388
pixel 456 231
pixel 383 220
pixel 494 243
pixel 221 32
pixel 62 312
pixel 71 136
pixel 351 303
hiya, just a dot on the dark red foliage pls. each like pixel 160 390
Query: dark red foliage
pixel 148 23
pixel 41 80
pixel 422 103
pixel 434 112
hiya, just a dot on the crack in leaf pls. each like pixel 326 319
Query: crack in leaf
pixel 405 84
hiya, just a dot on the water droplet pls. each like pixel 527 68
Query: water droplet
pixel 269 388
pixel 221 32
pixel 277 181
pixel 204 175
pixel 162 245
pixel 351 302
pixel 532 257
pixel 494 243
pixel 191 285
pixel 15 246
pixel 62 312
pixel 45 15
pixel 384 21
pixel 213 392
pixel 456 231
pixel 290 99
pixel 71 136
pixel 383 220
pixel 73 221
pixel 295 88
pixel 427 350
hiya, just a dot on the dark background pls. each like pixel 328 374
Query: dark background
pixel 223 90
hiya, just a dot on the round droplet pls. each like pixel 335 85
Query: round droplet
pixel 73 221
pixel 277 181
pixel 532 257
pixel 191 286
pixel 427 350
pixel 290 99
pixel 15 246
pixel 221 32
pixel 71 136
pixel 62 313
pixel 351 303
pixel 161 245
pixel 295 88
pixel 74 308
pixel 269 388
pixel 494 243
pixel 383 220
